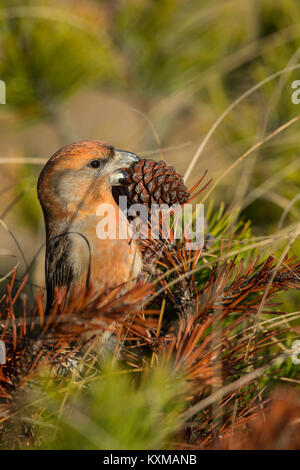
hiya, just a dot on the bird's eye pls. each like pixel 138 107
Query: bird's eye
pixel 95 164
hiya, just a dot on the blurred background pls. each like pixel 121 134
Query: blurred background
pixel 153 77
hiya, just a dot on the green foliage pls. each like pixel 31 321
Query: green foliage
pixel 40 72
pixel 115 409
pixel 28 209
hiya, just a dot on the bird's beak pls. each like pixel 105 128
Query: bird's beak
pixel 122 159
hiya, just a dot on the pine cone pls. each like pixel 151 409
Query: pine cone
pixel 149 182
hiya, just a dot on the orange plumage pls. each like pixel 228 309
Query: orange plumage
pixel 73 183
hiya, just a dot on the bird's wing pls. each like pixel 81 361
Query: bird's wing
pixel 59 271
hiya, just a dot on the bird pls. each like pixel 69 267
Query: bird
pixel 73 184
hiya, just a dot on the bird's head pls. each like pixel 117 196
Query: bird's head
pixel 80 176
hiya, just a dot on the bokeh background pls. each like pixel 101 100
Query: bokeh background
pixel 153 77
